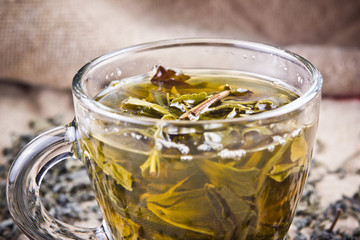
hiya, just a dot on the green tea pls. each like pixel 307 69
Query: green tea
pixel 226 180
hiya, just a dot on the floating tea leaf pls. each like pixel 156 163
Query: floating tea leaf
pixel 168 78
pixel 141 107
pixel 187 101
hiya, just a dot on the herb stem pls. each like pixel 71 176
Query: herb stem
pixel 195 111
pixel 337 216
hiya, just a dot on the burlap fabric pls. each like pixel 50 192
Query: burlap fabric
pixel 46 42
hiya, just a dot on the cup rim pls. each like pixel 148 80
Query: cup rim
pixel 97 107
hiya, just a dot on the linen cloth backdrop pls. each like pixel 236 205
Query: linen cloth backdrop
pixel 46 42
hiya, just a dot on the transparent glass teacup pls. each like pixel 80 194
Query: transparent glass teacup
pixel 228 190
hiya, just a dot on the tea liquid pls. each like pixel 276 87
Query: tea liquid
pixel 235 180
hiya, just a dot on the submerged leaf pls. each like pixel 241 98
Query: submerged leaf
pixel 152 163
pixel 110 167
pixel 158 97
pixel 232 213
pixel 281 171
pixel 119 173
pixel 299 149
pixel 181 208
pixel 241 181
pixel 129 230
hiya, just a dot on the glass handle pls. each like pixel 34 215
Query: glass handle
pixel 24 181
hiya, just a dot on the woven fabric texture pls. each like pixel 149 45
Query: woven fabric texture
pixel 46 42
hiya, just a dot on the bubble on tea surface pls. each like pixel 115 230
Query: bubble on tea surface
pixel 204 147
pixel 186 158
pixel 271 148
pixel 232 154
pixel 278 139
pixel 182 148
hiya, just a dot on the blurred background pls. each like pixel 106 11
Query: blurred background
pixel 44 43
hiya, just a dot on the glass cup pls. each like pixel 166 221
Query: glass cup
pixel 151 178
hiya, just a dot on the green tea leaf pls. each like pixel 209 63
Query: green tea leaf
pixel 181 208
pixel 226 222
pixel 254 160
pixel 112 168
pixel 239 91
pixel 232 114
pixel 129 229
pixel 272 207
pixel 238 206
pixel 241 181
pixel 188 100
pixel 194 113
pixel 226 109
pixel 168 117
pixel 227 105
pixel 281 171
pixel 167 78
pixel 274 160
pixel 152 163
pixel 158 97
pixel 265 104
pixel 160 236
pixel 119 173
pixel 143 107
pixel 299 149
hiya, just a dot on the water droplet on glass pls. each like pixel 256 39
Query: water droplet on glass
pixel 118 72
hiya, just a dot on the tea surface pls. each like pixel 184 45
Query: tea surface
pixel 228 181
pixel 199 95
